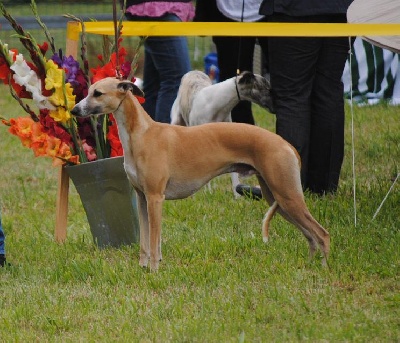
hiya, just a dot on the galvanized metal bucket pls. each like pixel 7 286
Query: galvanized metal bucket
pixel 109 201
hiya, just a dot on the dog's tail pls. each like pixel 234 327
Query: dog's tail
pixel 267 219
pixel 191 83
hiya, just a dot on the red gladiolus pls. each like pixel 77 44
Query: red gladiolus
pixel 113 138
pixel 43 48
pixel 140 99
pixel 52 128
pixel 4 70
pixel 47 137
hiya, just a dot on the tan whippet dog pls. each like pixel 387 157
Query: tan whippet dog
pixel 164 161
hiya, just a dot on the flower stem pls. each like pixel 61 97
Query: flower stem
pixel 71 128
pixel 99 146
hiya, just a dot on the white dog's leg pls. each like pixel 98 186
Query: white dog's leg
pixel 235 182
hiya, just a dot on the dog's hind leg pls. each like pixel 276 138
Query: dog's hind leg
pixel 274 207
pixel 144 230
pixel 296 209
pixel 176 115
pixel 320 235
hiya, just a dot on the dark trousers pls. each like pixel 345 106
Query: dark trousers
pixel 166 60
pixel 236 53
pixel 308 97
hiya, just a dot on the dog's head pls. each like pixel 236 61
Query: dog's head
pixel 105 96
pixel 255 88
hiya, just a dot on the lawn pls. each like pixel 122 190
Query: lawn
pixel 218 281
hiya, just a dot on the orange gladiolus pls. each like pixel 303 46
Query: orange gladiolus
pixel 64 152
pixel 53 146
pixel 38 140
pixel 21 126
pixel 38 135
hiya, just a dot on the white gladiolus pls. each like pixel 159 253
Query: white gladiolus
pixel 25 76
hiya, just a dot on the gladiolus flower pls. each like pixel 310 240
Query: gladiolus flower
pixel 113 138
pixel 89 151
pixel 52 146
pixel 43 48
pixel 55 87
pixel 60 114
pixel 54 76
pixel 70 97
pixel 26 77
pixel 21 127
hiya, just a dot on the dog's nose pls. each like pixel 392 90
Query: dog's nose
pixel 75 111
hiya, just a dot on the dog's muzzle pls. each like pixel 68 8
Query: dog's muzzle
pixel 76 111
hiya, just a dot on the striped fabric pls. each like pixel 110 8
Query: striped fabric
pixel 375 74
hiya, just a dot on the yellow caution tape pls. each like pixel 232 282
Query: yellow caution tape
pixel 133 28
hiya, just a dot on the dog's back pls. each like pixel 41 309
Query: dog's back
pixel 191 83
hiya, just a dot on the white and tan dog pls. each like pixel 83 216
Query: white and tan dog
pixel 165 161
pixel 199 101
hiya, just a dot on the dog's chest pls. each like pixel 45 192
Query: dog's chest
pixel 179 189
pixel 131 172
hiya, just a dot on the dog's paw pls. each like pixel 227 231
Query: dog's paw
pixel 154 264
pixel 143 261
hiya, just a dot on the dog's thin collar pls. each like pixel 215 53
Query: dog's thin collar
pixel 236 86
pixel 120 104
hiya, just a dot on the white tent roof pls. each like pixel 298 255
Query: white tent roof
pixel 377 11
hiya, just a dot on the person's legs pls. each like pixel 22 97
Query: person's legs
pixel 236 53
pixel 327 121
pixel 292 63
pixel 171 58
pixel 2 246
pixel 151 81
pixel 166 61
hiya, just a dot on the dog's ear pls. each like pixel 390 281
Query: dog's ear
pixel 246 77
pixel 125 86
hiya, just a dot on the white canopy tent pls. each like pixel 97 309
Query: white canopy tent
pixel 377 11
pixel 384 12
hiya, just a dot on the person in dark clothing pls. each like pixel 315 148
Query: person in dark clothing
pixel 307 89
pixel 233 52
pixel 3 261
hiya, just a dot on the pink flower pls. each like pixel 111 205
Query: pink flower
pixel 89 151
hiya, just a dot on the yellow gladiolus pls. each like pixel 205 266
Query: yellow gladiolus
pixel 54 76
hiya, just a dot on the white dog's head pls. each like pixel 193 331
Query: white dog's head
pixel 255 88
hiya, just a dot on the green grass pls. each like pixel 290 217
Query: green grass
pixel 218 282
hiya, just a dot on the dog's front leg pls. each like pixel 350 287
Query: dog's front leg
pixel 154 209
pixel 144 230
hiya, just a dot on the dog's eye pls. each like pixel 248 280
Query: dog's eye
pixel 97 93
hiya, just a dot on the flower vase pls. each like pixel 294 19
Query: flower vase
pixel 109 201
